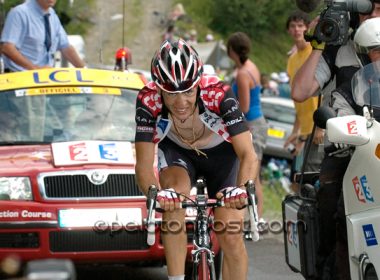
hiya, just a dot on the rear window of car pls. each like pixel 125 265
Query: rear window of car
pixel 279 113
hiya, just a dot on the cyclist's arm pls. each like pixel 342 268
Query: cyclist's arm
pixel 305 84
pixel 242 144
pixel 145 176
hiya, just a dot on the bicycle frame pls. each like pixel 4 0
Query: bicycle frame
pixel 202 254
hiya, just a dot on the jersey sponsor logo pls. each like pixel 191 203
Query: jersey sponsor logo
pixel 144 129
pixel 362 189
pixel 235 121
pixel 152 100
pixel 213 98
pixel 144 116
pixel 369 235
pixel 232 108
pixel 352 128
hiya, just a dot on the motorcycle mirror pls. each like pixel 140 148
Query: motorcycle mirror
pixel 322 114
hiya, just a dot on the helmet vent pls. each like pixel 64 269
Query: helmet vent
pixel 177 70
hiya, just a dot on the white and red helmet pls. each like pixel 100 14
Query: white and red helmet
pixel 176 66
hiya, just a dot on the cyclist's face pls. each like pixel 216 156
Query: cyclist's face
pixel 181 105
pixel 375 13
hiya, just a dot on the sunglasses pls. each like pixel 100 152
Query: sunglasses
pixel 182 87
pixel 187 93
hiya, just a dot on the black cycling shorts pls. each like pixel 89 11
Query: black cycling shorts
pixel 220 168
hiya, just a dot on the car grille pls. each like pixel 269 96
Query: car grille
pixel 90 241
pixel 78 185
pixel 19 240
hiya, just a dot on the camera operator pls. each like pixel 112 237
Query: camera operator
pixel 328 67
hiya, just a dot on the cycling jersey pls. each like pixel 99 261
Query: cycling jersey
pixel 218 110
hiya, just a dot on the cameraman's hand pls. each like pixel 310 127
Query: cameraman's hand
pixel 310 36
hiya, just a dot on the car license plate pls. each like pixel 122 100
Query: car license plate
pixel 276 133
pixel 70 218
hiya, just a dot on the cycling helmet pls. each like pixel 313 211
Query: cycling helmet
pixel 176 67
pixel 123 57
pixel 367 37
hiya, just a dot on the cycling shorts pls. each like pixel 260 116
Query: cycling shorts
pixel 220 168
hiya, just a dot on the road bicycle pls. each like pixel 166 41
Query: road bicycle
pixel 203 257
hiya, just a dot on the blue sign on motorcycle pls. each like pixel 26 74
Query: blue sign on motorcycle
pixel 369 235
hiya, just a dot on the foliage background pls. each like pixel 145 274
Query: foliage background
pixel 263 20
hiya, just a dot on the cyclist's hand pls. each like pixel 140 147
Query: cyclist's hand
pixel 168 199
pixel 233 197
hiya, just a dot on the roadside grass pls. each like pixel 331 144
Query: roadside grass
pixel 273 196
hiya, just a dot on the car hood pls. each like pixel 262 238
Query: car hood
pixel 43 157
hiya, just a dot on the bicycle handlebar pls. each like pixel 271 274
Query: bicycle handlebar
pixel 252 210
pixel 152 205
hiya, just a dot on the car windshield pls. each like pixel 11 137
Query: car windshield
pixel 366 85
pixel 71 116
pixel 277 112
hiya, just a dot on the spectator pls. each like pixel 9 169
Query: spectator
pixel 169 34
pixel 283 85
pixel 209 37
pixel 32 34
pixel 267 89
pixel 193 40
pixel 296 25
pixel 177 12
pixel 247 88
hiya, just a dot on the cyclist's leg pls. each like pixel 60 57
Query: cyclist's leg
pixel 229 232
pixel 235 260
pixel 175 168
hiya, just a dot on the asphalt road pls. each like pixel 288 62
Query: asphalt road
pixel 266 258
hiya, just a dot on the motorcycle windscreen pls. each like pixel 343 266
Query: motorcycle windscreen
pixel 366 85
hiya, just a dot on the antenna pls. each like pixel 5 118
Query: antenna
pixel 123 23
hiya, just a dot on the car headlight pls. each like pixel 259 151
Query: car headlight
pixel 15 188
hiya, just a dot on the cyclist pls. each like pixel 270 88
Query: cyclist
pixel 200 130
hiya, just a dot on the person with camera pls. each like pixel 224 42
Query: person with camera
pixel 367 46
pixel 329 65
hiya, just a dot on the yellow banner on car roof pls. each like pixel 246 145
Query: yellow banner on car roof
pixel 66 77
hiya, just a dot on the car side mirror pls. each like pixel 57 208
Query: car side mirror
pixel 322 114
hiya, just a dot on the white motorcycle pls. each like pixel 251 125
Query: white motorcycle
pixel 360 191
pixel 360 133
